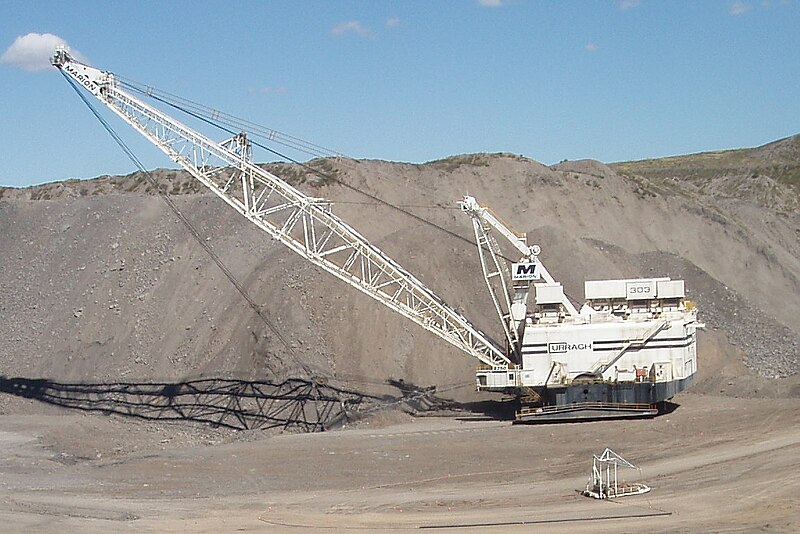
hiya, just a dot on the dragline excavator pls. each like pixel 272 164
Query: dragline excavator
pixel 631 346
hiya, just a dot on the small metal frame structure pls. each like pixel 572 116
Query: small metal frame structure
pixel 605 483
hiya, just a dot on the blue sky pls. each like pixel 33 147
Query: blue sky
pixel 416 81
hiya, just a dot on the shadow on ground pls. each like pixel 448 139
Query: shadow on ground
pixel 296 404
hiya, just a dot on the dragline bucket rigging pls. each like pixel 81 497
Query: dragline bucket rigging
pixel 631 345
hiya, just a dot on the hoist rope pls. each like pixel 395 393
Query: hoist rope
pixel 188 224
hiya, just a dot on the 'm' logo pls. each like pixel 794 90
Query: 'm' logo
pixel 525 271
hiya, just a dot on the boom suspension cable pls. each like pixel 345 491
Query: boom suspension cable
pixel 217 123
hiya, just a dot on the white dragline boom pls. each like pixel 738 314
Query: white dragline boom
pixel 304 224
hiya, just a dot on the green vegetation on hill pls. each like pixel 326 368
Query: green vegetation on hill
pixel 779 160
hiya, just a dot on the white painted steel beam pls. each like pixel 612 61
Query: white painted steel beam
pixel 304 224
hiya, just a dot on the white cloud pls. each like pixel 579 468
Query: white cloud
pixel 628 4
pixel 393 22
pixel 32 52
pixel 491 3
pixel 739 8
pixel 352 26
pixel 592 47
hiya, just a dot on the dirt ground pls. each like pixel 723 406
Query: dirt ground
pixel 715 463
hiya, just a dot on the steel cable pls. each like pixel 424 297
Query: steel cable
pixel 192 230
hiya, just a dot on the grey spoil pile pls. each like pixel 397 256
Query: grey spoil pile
pixel 100 283
pixel 770 349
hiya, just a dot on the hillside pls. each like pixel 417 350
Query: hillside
pixel 100 282
pixel 768 175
